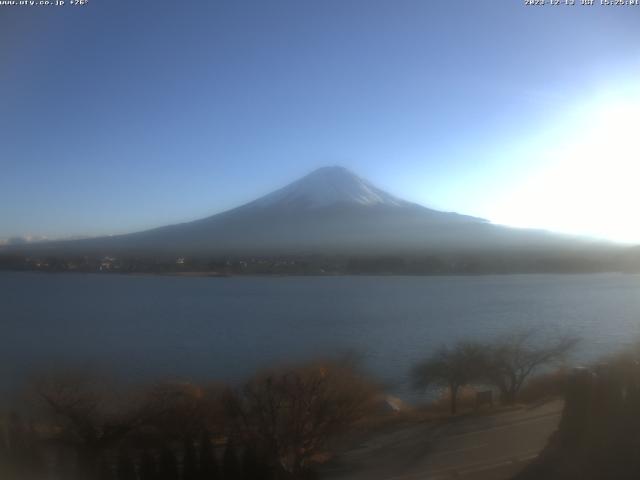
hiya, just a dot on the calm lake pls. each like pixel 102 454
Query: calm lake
pixel 226 328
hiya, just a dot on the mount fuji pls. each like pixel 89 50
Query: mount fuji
pixel 329 211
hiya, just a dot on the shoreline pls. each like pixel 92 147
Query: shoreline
pixel 205 274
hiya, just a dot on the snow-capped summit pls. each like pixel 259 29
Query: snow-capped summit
pixel 328 186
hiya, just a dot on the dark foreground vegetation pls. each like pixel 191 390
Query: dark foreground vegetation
pixel 283 423
pixel 278 425
pixel 78 427
pixel 599 434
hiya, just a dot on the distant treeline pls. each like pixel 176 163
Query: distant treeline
pixel 585 261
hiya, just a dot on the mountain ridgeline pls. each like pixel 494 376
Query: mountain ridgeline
pixel 333 212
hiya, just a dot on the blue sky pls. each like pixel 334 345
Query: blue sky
pixel 124 115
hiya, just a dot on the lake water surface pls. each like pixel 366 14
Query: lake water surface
pixel 226 328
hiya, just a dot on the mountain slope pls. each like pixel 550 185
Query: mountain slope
pixel 329 211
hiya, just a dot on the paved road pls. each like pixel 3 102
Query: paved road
pixel 490 447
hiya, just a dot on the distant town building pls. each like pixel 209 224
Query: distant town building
pixel 107 263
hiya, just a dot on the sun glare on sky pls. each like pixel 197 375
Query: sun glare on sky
pixel 588 183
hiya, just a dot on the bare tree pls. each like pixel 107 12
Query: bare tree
pixel 88 414
pixel 291 414
pixel 20 449
pixel 450 367
pixel 512 359
pixel 185 410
